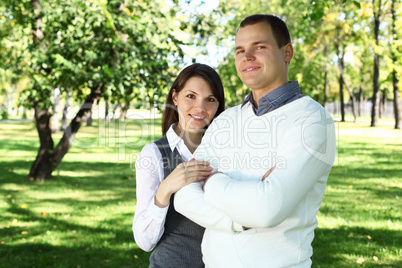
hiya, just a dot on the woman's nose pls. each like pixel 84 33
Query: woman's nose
pixel 200 105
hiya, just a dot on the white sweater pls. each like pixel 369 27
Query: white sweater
pixel 281 210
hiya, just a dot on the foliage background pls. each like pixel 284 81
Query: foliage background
pixel 134 49
pixel 122 43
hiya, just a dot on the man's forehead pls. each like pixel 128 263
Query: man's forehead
pixel 254 27
pixel 251 34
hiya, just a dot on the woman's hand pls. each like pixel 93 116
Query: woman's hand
pixel 184 174
pixel 268 172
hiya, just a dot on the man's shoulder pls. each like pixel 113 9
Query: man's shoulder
pixel 232 110
pixel 306 103
pixel 310 111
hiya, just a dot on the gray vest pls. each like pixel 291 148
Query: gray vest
pixel 180 244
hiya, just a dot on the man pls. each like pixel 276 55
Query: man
pixel 276 128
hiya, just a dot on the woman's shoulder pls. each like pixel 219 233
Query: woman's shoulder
pixel 149 150
pixel 149 157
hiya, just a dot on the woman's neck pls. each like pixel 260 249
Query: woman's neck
pixel 190 138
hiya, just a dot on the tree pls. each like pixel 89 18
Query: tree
pixel 91 49
pixel 13 58
pixel 377 13
pixel 341 55
pixel 394 49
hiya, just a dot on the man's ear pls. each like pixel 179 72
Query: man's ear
pixel 288 52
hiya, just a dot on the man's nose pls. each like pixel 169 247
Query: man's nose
pixel 249 54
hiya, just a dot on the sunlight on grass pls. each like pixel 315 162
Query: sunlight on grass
pixel 361 212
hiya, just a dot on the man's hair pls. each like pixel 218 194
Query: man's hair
pixel 278 26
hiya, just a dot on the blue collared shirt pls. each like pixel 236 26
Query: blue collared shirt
pixel 278 97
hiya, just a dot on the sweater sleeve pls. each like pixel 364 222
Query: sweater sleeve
pixel 308 149
pixel 189 201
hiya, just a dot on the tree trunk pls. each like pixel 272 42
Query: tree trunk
pixel 359 110
pixel 342 100
pixel 361 97
pixel 54 125
pixel 395 81
pixel 106 110
pixel 42 167
pixel 81 117
pixel 48 157
pixel 115 107
pixel 376 84
pixel 352 97
pixel 123 112
pixel 43 164
pixel 397 101
pixel 37 33
pixel 383 101
pixel 89 119
pixel 340 66
pixel 326 85
pixel 65 111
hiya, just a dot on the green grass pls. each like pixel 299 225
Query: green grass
pixel 83 217
pixel 360 217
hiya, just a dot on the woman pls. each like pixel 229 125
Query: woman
pixel 163 167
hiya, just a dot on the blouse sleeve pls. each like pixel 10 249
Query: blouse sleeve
pixel 149 219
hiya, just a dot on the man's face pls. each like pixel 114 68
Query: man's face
pixel 260 63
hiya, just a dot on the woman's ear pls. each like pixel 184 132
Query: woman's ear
pixel 174 97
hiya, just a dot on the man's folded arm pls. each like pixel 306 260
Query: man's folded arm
pixel 264 204
pixel 189 201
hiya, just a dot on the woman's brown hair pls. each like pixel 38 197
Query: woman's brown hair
pixel 203 71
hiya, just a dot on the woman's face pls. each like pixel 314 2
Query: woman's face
pixel 196 104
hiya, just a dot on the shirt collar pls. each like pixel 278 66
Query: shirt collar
pixel 249 99
pixel 275 97
pixel 172 137
pixel 176 142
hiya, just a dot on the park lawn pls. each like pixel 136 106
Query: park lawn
pixel 83 217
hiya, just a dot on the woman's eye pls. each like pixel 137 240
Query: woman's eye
pixel 190 96
pixel 211 99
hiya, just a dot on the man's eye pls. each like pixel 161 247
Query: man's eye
pixel 239 52
pixel 260 47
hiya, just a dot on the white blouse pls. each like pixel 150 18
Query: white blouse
pixel 149 219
